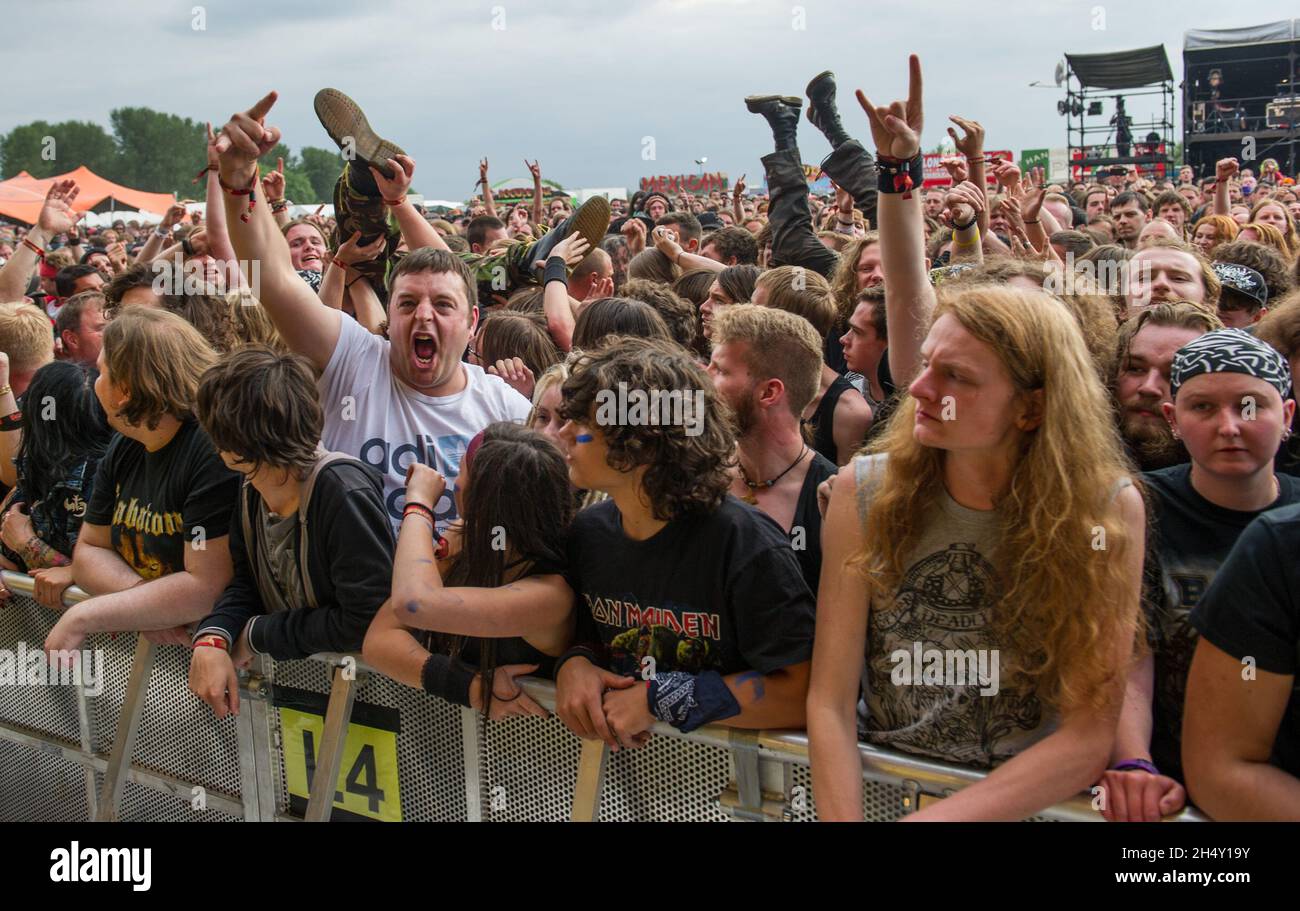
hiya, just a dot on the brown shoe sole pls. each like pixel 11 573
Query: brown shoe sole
pixel 591 220
pixel 752 102
pixel 346 124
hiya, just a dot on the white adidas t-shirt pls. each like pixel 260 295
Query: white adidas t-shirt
pixel 372 415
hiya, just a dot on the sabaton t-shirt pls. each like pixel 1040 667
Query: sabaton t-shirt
pixel 157 503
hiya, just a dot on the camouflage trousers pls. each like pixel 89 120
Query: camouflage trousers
pixel 497 274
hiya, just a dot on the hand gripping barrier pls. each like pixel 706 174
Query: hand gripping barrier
pixel 130 741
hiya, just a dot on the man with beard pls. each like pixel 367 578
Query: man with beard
pixel 1147 344
pixel 766 366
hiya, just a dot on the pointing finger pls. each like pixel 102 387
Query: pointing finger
pixel 259 110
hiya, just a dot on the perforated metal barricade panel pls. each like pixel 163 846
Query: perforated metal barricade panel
pixel 527 767
pixel 530 766
pixel 37 786
pixel 430 757
pixel 667 779
pixel 179 735
pixel 24 625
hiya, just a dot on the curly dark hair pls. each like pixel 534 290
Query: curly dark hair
pixel 734 243
pixel 686 471
pixel 677 312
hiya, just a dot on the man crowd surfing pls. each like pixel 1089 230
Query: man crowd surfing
pixel 999 474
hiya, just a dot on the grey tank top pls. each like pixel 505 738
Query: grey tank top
pixel 932 681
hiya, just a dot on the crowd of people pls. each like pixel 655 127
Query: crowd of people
pixel 999 474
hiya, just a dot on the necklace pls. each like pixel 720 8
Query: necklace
pixel 750 497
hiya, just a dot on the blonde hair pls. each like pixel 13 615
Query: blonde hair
pixel 251 323
pixel 802 292
pixel 158 358
pixel 1269 236
pixel 554 375
pixel 844 283
pixel 1062 604
pixel 781 344
pixel 1290 238
pixel 60 258
pixel 26 335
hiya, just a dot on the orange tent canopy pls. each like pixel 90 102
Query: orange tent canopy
pixel 21 197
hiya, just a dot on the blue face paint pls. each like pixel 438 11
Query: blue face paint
pixel 584 438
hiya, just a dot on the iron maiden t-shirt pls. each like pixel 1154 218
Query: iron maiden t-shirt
pixel 720 592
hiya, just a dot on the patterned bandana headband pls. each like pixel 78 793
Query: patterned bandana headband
pixel 1230 351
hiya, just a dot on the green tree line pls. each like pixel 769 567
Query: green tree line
pixel 151 151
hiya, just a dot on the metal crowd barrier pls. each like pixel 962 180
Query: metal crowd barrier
pixel 145 748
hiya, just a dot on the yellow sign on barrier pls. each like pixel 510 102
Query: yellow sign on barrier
pixel 367 786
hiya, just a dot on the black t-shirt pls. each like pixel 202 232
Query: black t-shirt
pixel 1191 537
pixel 806 530
pixel 1253 608
pixel 720 592
pixel 158 502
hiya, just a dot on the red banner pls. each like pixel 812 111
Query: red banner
pixel 671 185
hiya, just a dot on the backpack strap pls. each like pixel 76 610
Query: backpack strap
pixel 323 460
pixel 246 524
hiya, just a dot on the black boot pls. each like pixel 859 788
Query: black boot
pixel 782 115
pixel 822 112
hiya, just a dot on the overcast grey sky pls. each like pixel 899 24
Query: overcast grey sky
pixel 577 84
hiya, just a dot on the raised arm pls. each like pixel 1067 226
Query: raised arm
pixel 56 217
pixel 161 235
pixel 909 296
pixel 738 201
pixel 416 230
pixel 273 191
pixel 308 328
pixel 1224 170
pixel 488 204
pixel 665 241
pixel 366 305
pixel 214 223
pixel 964 203
pixel 536 169
pixel 556 303
pixel 971 144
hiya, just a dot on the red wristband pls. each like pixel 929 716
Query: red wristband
pixel 250 191
pixel 213 641
pixel 395 202
pixel 35 249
